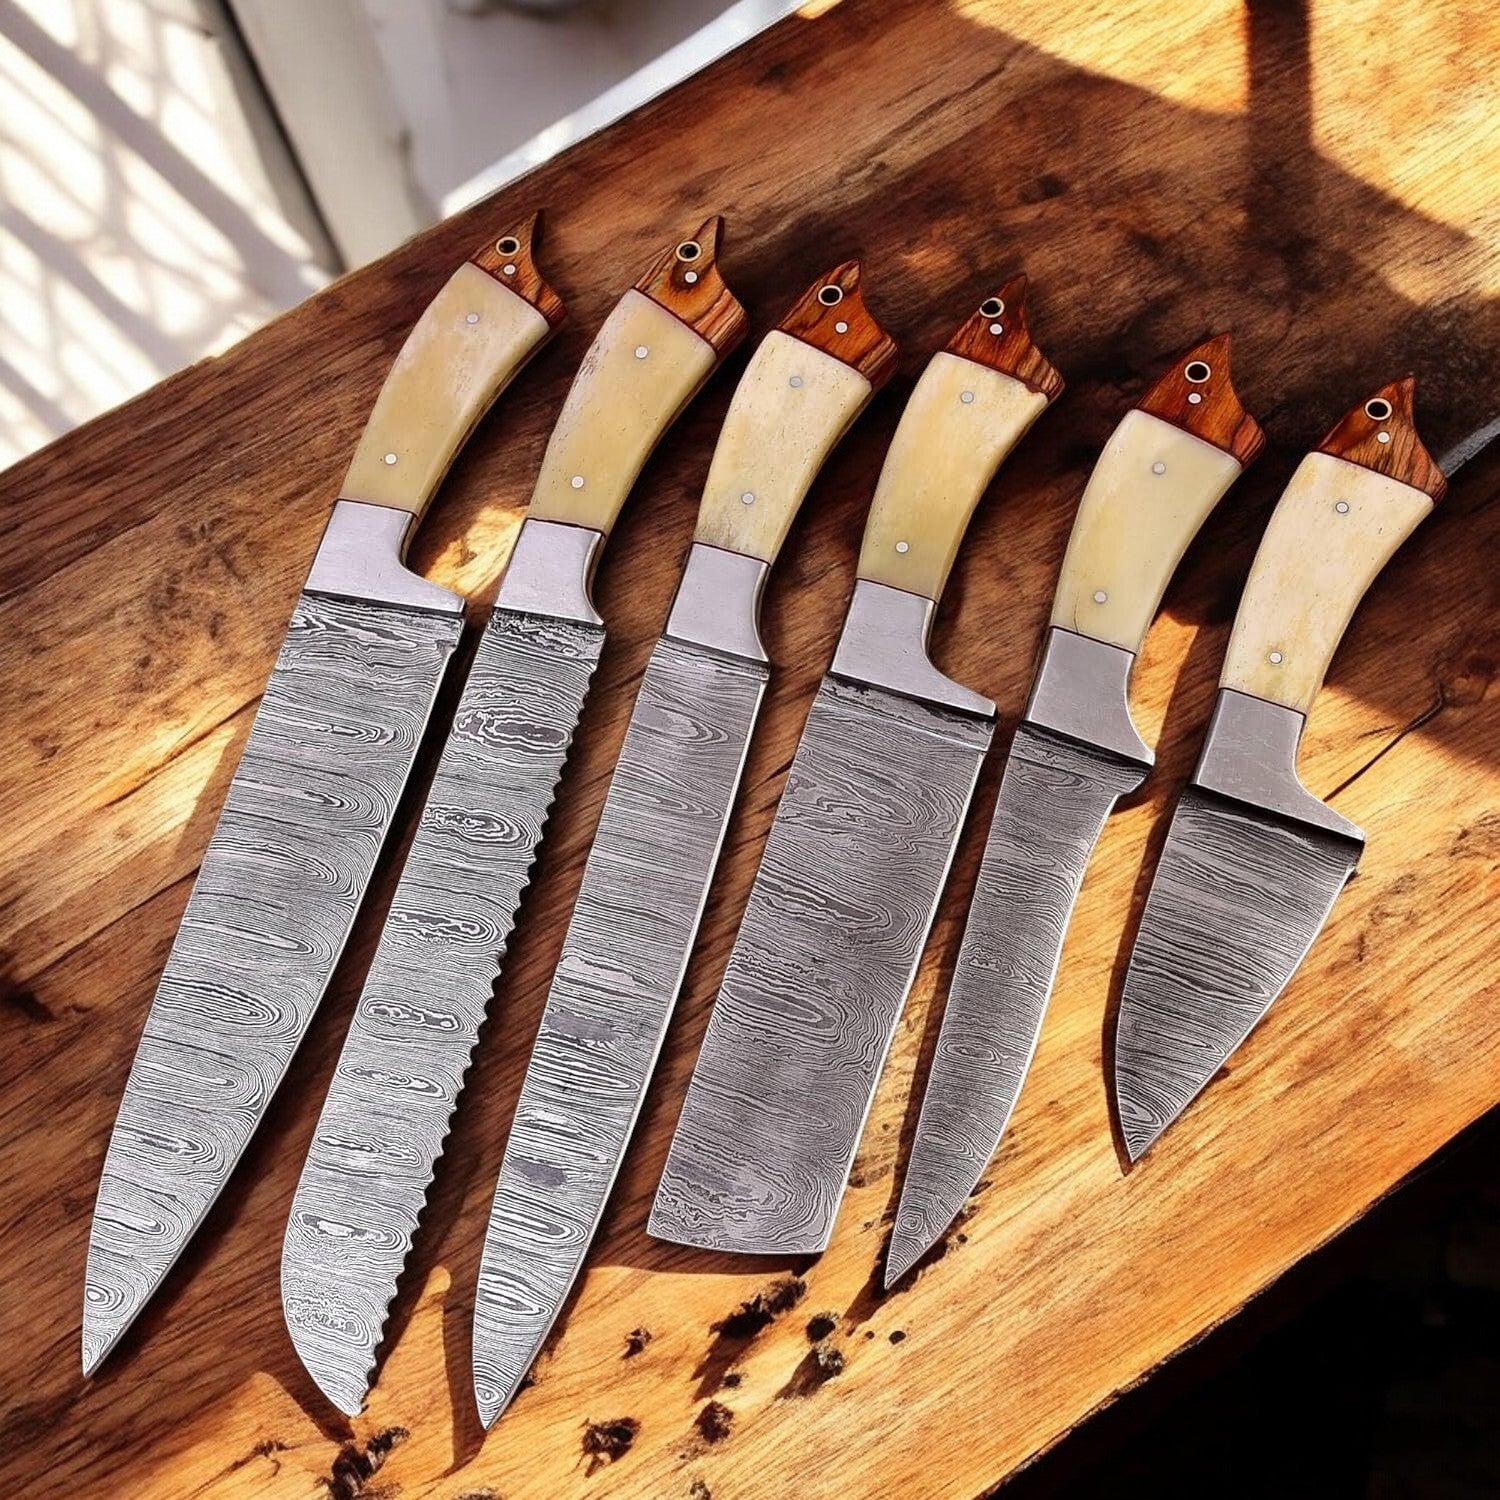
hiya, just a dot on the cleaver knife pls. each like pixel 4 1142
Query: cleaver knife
pixel 862 839
pixel 311 801
pixel 1075 753
pixel 663 824
pixel 417 1021
pixel 1253 862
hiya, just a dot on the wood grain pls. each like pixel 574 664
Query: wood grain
pixel 863 345
pixel 510 257
pixel 1010 350
pixel 1387 443
pixel 1206 406
pixel 685 279
pixel 1344 231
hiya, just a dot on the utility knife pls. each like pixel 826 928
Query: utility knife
pixel 311 801
pixel 417 1021
pixel 663 823
pixel 1253 861
pixel 863 836
pixel 1075 753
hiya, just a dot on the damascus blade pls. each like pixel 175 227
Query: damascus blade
pixel 621 967
pixel 306 813
pixel 1238 897
pixel 1054 797
pixel 836 923
pixel 418 1019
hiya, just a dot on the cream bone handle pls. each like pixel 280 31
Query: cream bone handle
pixel 656 349
pixel 810 378
pixel 1348 507
pixel 975 400
pixel 490 317
pixel 1164 468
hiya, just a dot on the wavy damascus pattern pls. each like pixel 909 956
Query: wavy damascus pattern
pixel 622 965
pixel 1054 797
pixel 827 951
pixel 414 1031
pixel 307 811
pixel 1238 897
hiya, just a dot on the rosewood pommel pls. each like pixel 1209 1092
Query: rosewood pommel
pixel 1381 434
pixel 996 335
pixel 1198 396
pixel 510 259
pixel 832 316
pixel 685 280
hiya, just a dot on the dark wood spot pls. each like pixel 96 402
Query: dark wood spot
pixel 355 1465
pixel 604 1442
pixel 821 1326
pixel 819 1364
pixel 714 1422
pixel 697 1490
pixel 762 1309
pixel 635 1341
pixel 897 1335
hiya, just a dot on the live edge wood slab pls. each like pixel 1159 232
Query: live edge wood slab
pixel 1323 187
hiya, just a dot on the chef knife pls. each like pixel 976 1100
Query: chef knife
pixel 417 1021
pixel 311 800
pixel 1253 861
pixel 862 839
pixel 662 826
pixel 1075 752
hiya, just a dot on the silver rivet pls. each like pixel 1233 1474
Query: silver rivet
pixel 997 329
pixel 795 382
pixel 1382 437
pixel 967 398
pixel 1342 507
pixel 1275 658
pixel 1158 467
pixel 641 351
pixel 841 327
pixel 690 277
pixel 390 458
pixel 471 318
pixel 576 481
pixel 1100 597
pixel 1195 398
pixel 748 498
pixel 903 547
pixel 509 270
pixel 1197 371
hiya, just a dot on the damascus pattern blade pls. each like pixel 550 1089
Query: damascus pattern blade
pixel 413 1035
pixel 1238 897
pixel 306 813
pixel 622 964
pixel 1054 797
pixel 835 926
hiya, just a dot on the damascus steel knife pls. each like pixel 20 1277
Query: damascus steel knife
pixel 663 823
pixel 1075 752
pixel 312 798
pixel 1253 861
pixel 862 839
pixel 417 1021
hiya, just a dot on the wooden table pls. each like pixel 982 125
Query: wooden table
pixel 1325 187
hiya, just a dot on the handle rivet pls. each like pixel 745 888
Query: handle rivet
pixel 992 307
pixel 690 277
pixel 1377 408
pixel 903 547
pixel 748 498
pixel 795 382
pixel 967 397
pixel 471 317
pixel 507 246
pixel 1342 507
pixel 1275 658
pixel 390 458
pixel 509 268
pixel 841 327
pixel 576 481
pixel 997 329
pixel 1197 371
pixel 641 351
pixel 689 250
pixel 1382 437
pixel 1100 597
pixel 1158 467
pixel 1195 398
pixel 830 296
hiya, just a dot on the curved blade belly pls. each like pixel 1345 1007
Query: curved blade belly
pixel 1054 797
pixel 398 1079
pixel 835 926
pixel 306 813
pixel 622 964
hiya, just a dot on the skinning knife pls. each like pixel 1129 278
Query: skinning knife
pixel 311 801
pixel 417 1021
pixel 862 839
pixel 663 823
pixel 1075 752
pixel 1253 862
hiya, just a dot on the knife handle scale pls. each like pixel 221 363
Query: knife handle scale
pixel 1159 476
pixel 810 378
pixel 469 343
pixel 658 346
pixel 972 404
pixel 1347 508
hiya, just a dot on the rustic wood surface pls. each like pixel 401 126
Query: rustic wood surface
pixel 1322 185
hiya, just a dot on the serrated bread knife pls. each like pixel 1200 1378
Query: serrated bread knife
pixel 862 839
pixel 1253 862
pixel 311 801
pixel 417 1021
pixel 663 823
pixel 1075 753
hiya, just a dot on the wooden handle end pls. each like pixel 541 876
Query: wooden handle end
pixel 1198 396
pixel 996 335
pixel 831 315
pixel 510 259
pixel 685 280
pixel 1381 434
